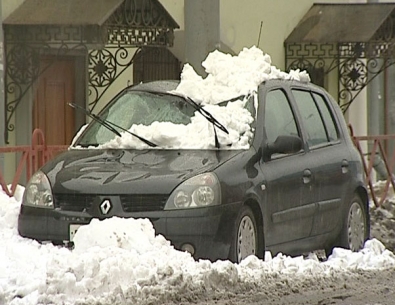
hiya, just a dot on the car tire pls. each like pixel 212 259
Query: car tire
pixel 354 232
pixel 245 239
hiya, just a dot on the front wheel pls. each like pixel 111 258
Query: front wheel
pixel 355 227
pixel 245 241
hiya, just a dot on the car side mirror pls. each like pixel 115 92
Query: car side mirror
pixel 284 144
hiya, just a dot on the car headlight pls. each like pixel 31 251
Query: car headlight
pixel 38 191
pixel 199 191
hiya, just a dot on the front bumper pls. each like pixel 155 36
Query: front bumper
pixel 209 230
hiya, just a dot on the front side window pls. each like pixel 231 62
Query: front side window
pixel 279 118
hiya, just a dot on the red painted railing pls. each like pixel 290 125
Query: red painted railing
pixel 373 152
pixel 34 156
pixel 31 159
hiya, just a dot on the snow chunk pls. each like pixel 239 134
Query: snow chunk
pixel 373 256
pixel 231 76
pixel 128 234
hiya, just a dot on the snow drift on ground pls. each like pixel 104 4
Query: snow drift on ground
pixel 122 260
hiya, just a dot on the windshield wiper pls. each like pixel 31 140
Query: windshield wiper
pixel 110 125
pixel 207 115
pixel 201 110
pixel 209 118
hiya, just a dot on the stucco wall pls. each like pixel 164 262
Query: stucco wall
pixel 8 6
pixel 240 24
pixel 266 24
pixel 242 21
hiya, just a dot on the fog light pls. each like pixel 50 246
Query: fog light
pixel 188 248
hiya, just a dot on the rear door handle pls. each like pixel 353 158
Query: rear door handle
pixel 344 166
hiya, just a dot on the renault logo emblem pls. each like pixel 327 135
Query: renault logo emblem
pixel 105 207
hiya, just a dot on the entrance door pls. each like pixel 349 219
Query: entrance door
pixel 56 88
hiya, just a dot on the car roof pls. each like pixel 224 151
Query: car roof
pixel 164 86
pixel 160 86
pixel 289 82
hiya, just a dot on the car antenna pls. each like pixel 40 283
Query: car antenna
pixel 259 37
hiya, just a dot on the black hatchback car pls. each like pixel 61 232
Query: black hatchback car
pixel 297 186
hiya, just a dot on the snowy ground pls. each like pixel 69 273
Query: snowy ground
pixel 118 261
pixel 383 219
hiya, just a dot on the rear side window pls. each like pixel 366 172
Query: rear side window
pixel 316 118
pixel 327 117
pixel 279 118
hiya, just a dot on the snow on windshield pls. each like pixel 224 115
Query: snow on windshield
pixel 228 77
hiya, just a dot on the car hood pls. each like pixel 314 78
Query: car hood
pixel 129 171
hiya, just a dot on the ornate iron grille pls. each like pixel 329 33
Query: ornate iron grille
pixel 357 64
pixel 104 68
pixel 54 35
pixel 22 71
pixel 110 48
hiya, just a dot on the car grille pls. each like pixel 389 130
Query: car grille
pixel 74 202
pixel 130 203
pixel 143 203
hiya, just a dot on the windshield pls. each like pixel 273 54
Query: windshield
pixel 170 122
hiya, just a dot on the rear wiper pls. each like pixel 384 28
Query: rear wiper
pixel 209 118
pixel 110 125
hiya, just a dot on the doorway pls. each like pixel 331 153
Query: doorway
pixel 155 64
pixel 56 87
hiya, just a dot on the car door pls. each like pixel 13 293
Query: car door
pixel 328 154
pixel 288 182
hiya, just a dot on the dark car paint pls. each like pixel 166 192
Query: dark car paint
pixel 129 171
pixel 293 228
pixel 246 177
pixel 105 173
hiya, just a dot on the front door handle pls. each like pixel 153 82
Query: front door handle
pixel 306 176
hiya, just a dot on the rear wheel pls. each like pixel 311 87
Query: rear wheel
pixel 355 229
pixel 245 241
